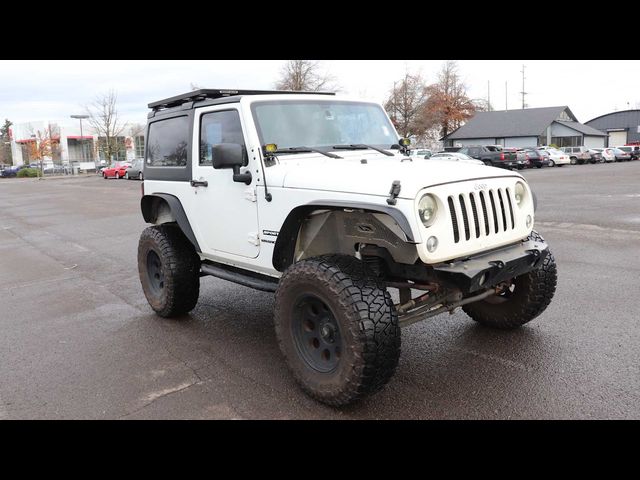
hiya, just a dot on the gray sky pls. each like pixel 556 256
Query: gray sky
pixel 32 90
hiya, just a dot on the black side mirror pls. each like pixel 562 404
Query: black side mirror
pixel 231 155
pixel 228 155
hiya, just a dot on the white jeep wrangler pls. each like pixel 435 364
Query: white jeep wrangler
pixel 315 198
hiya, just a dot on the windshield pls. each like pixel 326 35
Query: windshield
pixel 322 124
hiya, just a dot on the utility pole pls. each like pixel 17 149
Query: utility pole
pixel 506 105
pixel 489 95
pixel 523 92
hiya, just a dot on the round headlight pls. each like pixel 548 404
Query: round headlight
pixel 427 208
pixel 520 193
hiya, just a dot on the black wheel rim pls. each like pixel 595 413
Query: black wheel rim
pixel 154 273
pixel 316 334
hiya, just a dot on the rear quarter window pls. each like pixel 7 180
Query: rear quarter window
pixel 168 142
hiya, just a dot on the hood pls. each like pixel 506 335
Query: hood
pixel 349 174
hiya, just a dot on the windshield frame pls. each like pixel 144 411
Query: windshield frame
pixel 326 148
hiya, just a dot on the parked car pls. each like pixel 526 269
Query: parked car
pixel 631 150
pixel 518 152
pixel 56 169
pixel 596 155
pixel 607 154
pixel 504 159
pixel 117 171
pixel 9 172
pixel 556 157
pixel 456 157
pixel 578 155
pixel 536 158
pixel 134 171
pixel 621 155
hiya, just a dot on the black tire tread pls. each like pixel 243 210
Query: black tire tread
pixel 373 320
pixel 539 289
pixel 181 268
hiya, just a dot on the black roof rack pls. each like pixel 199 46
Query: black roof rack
pixel 206 93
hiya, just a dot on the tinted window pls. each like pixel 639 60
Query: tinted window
pixel 218 127
pixel 168 142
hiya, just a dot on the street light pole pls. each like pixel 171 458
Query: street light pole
pixel 81 117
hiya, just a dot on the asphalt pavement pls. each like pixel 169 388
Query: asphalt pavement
pixel 80 341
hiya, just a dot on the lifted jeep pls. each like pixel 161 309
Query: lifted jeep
pixel 317 199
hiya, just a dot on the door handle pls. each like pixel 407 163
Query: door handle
pixel 199 183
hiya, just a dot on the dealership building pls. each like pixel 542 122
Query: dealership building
pixel 621 127
pixel 529 127
pixel 72 144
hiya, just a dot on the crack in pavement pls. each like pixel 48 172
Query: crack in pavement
pixel 153 397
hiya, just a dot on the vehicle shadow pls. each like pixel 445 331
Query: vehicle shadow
pixel 450 366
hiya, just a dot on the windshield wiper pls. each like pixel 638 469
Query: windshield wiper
pixel 306 149
pixel 359 146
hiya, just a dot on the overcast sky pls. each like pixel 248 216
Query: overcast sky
pixel 33 90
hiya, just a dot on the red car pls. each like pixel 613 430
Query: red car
pixel 117 171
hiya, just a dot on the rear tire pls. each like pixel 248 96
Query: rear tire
pixel 337 328
pixel 531 294
pixel 169 270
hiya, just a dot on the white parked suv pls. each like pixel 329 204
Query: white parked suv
pixel 312 197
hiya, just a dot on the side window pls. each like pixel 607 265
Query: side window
pixel 218 127
pixel 168 142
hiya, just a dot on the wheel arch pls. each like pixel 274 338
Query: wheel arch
pixel 159 208
pixel 284 249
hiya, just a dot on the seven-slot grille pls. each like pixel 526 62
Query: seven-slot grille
pixel 482 213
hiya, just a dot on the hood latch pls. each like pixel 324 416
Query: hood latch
pixel 394 192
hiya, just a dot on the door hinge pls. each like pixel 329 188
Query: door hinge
pixel 254 238
pixel 250 194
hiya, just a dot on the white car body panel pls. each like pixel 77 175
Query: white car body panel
pixel 234 224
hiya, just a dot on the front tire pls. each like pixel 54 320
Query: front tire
pixel 528 297
pixel 337 328
pixel 169 270
pixel 552 163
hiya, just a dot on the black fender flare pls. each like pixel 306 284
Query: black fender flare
pixel 284 248
pixel 148 205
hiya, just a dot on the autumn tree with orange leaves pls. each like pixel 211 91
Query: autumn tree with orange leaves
pixel 45 144
pixel 448 106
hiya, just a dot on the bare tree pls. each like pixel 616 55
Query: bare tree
pixel 406 103
pixel 103 117
pixel 305 75
pixel 448 105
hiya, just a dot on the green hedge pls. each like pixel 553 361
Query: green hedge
pixel 28 172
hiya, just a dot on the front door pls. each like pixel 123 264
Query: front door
pixel 226 214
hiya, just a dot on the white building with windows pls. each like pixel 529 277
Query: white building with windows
pixel 70 146
pixel 527 127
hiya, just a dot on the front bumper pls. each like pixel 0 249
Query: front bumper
pixel 489 269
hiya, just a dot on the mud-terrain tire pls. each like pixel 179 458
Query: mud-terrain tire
pixel 532 293
pixel 337 328
pixel 169 270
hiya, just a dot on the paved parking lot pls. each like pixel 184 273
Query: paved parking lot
pixel 79 340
